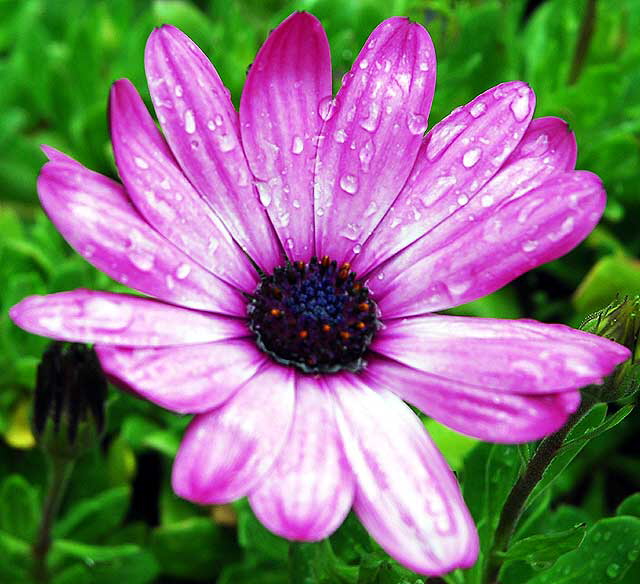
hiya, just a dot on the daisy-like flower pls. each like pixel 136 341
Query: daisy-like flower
pixel 294 255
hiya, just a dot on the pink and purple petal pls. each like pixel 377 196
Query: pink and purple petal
pixel 164 196
pixel 202 129
pixel 226 452
pixel 406 496
pixel 309 491
pixel 90 316
pixel 457 158
pixel 372 137
pixel 280 124
pixel 486 414
pixel 186 379
pixel 97 219
pixel 472 255
pixel 513 356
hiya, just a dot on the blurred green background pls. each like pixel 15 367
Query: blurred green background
pixel 120 520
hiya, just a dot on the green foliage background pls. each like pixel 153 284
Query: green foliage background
pixel 120 521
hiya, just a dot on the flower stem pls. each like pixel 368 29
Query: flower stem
pixel 61 469
pixel 515 503
pixel 584 40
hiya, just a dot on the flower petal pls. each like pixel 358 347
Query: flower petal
pixel 90 316
pixel 549 141
pixel 310 488
pixel 280 123
pixel 487 414
pixel 95 216
pixel 406 496
pixel 227 451
pixel 369 144
pixel 201 127
pixel 187 379
pixel 164 196
pixel 514 356
pixel 458 156
pixel 472 255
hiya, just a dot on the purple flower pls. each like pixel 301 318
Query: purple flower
pixel 295 255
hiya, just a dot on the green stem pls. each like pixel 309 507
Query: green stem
pixel 61 469
pixel 515 503
pixel 587 28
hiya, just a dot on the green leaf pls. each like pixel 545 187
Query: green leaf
pixel 172 545
pixel 108 564
pixel 609 549
pixel 576 440
pixel 315 563
pixel 612 275
pixel 377 569
pixel 14 558
pixel 547 547
pixel 91 519
pixel 489 473
pixel 256 539
pixel 630 506
pixel 19 508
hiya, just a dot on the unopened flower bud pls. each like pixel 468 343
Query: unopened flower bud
pixel 71 389
pixel 620 322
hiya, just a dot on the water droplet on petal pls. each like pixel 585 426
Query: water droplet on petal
pixel 416 123
pixel 178 91
pixel 183 271
pixel 520 105
pixel 141 163
pixel 372 121
pixel 340 136
pixel 424 66
pixel 366 154
pixel 463 200
pixel 227 142
pixel 363 64
pixel 141 260
pixel 296 204
pixel 477 109
pixel 371 209
pixel 486 200
pixel 471 157
pixel 349 183
pixel 357 248
pixel 326 108
pixel 297 146
pixel 189 122
pixel 529 245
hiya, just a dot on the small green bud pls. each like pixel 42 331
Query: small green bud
pixel 620 322
pixel 71 390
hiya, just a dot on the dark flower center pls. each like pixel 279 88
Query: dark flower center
pixel 315 316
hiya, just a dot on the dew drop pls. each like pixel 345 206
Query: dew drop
pixel 529 245
pixel 520 106
pixel 471 157
pixel 297 146
pixel 227 142
pixel 463 200
pixel 340 136
pixel 211 125
pixel 264 192
pixel 349 183
pixel 371 209
pixel 357 248
pixel 183 271
pixel 218 120
pixel 366 154
pixel 319 211
pixel 424 66
pixel 141 163
pixel 141 260
pixel 477 109
pixel 486 200
pixel 372 121
pixel 189 122
pixel 178 91
pixel 363 64
pixel 290 243
pixel 165 184
pixel 613 570
pixel 296 204
pixel 326 108
pixel 416 123
pixel 351 231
